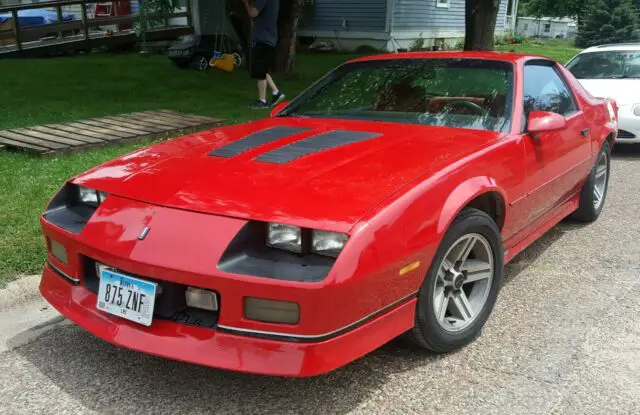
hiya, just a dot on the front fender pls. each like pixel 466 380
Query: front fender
pixel 409 230
pixel 462 195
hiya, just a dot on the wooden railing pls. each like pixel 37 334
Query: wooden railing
pixel 20 35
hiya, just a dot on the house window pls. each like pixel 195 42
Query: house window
pixel 442 3
pixel 526 26
pixel 547 27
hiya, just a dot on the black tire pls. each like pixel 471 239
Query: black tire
pixel 588 211
pixel 199 63
pixel 237 59
pixel 427 332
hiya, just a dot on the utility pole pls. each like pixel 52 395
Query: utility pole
pixel 514 15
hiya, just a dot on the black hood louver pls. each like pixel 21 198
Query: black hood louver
pixel 255 140
pixel 315 144
pixel 292 151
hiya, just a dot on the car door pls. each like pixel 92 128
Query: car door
pixel 556 162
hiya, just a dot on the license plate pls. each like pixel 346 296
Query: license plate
pixel 127 297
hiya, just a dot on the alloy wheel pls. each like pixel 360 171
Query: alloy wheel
pixel 463 282
pixel 600 183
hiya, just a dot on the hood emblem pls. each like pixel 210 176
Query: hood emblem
pixel 144 233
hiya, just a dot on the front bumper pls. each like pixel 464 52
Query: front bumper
pixel 628 125
pixel 216 348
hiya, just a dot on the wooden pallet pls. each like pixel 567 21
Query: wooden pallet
pixel 68 137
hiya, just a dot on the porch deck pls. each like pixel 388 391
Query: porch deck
pixel 84 29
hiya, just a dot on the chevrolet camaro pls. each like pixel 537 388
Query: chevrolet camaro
pixel 382 201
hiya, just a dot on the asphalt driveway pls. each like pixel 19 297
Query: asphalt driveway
pixel 564 338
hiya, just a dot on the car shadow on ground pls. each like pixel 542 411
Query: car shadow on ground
pixel 90 370
pixel 626 151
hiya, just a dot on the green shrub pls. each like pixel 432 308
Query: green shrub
pixel 500 40
pixel 417 45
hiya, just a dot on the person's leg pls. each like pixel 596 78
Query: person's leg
pixel 262 89
pixel 259 73
pixel 276 95
pixel 272 85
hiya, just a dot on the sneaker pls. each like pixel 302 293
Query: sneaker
pixel 275 98
pixel 259 105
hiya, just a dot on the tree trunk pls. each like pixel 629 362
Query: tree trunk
pixel 242 21
pixel 288 24
pixel 480 24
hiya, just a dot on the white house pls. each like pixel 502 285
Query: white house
pixel 550 27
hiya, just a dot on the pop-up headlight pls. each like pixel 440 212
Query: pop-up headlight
pixel 90 197
pixel 284 237
pixel 73 206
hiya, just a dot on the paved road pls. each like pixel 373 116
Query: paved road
pixel 564 339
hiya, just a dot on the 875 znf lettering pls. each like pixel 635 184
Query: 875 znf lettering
pixel 116 295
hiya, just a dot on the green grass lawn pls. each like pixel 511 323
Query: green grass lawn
pixel 560 50
pixel 38 91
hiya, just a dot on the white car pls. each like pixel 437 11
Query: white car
pixel 613 71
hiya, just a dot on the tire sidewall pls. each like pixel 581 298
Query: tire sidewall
pixel 469 221
pixel 592 178
pixel 196 63
pixel 587 211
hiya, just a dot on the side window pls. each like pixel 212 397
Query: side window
pixel 544 90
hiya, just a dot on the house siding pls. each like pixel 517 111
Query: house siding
pixel 424 15
pixel 358 15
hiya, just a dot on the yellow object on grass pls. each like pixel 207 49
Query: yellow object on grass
pixel 225 63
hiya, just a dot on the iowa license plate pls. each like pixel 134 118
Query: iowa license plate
pixel 126 297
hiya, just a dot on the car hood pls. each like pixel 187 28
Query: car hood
pixel 623 91
pixel 326 182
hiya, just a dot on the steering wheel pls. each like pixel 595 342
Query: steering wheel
pixel 468 104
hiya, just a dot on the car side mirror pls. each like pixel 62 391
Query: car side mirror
pixel 543 121
pixel 279 107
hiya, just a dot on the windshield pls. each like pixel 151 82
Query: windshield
pixel 606 65
pixel 463 93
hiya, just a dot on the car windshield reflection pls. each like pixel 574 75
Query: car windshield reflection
pixel 462 93
pixel 606 65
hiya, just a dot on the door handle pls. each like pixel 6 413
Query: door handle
pixel 585 132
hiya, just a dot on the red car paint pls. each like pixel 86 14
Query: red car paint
pixel 395 196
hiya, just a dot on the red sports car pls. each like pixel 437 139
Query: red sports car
pixel 385 199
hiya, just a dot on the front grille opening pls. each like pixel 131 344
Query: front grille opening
pixel 625 134
pixel 170 302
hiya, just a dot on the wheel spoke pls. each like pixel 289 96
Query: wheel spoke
pixel 442 301
pixel 463 308
pixel 602 170
pixel 597 194
pixel 447 265
pixel 476 270
pixel 467 246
